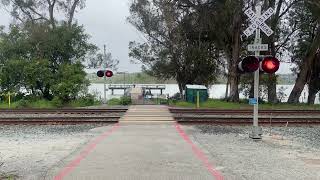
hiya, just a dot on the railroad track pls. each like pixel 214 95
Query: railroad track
pixel 220 116
pixel 59 120
pixel 63 111
pixel 242 111
pixel 60 116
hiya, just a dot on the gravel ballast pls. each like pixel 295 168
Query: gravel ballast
pixel 287 153
pixel 29 151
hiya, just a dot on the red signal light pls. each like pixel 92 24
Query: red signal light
pixel 100 73
pixel 109 73
pixel 270 65
pixel 249 64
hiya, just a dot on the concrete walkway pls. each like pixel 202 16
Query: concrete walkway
pixel 139 152
pixel 147 113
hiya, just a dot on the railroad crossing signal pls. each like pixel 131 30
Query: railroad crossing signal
pixel 266 64
pixel 258 22
pixel 270 65
pixel 106 73
pixel 251 63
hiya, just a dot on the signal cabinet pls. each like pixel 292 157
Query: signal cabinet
pixel 191 93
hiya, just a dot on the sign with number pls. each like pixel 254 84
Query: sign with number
pixel 258 47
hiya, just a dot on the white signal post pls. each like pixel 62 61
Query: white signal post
pixel 105 77
pixel 258 23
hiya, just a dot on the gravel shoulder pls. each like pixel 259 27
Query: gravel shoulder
pixel 291 153
pixel 30 151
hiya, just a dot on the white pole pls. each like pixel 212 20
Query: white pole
pixel 256 74
pixel 105 78
pixel 256 131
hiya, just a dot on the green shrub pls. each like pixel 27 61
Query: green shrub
pixel 114 102
pixel 34 103
pixel 57 102
pixel 23 103
pixel 125 100
pixel 87 100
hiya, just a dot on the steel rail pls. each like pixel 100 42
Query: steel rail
pixel 59 120
pixel 63 111
pixel 240 111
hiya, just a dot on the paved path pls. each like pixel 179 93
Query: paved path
pixel 140 152
pixel 147 113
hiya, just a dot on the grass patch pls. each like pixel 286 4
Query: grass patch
pixel 123 101
pixel 114 102
pixel 45 104
pixel 219 104
pixel 8 177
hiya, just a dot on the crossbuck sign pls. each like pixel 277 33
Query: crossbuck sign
pixel 258 22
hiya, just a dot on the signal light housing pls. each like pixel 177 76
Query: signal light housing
pixel 270 64
pixel 107 73
pixel 267 64
pixel 100 73
pixel 249 64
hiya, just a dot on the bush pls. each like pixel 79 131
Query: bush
pixel 125 100
pixel 87 100
pixel 23 104
pixel 57 102
pixel 114 101
pixel 34 102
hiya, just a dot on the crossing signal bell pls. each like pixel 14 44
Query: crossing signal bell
pixel 106 73
pixel 266 64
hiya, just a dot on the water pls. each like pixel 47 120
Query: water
pixel 216 91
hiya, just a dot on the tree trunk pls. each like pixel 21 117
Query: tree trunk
pixel 72 10
pixel 233 62
pixel 234 82
pixel 272 89
pixel 312 94
pixel 227 89
pixel 304 69
pixel 51 11
pixel 272 84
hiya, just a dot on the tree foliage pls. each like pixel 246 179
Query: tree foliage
pixel 306 16
pixel 42 60
pixel 35 11
pixel 178 41
pixel 99 60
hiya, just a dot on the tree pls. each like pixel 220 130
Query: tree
pixel 279 41
pixel 35 11
pixel 70 81
pixel 98 60
pixel 306 15
pixel 229 22
pixel 314 82
pixel 32 57
pixel 178 40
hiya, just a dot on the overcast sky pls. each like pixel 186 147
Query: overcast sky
pixel 105 21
